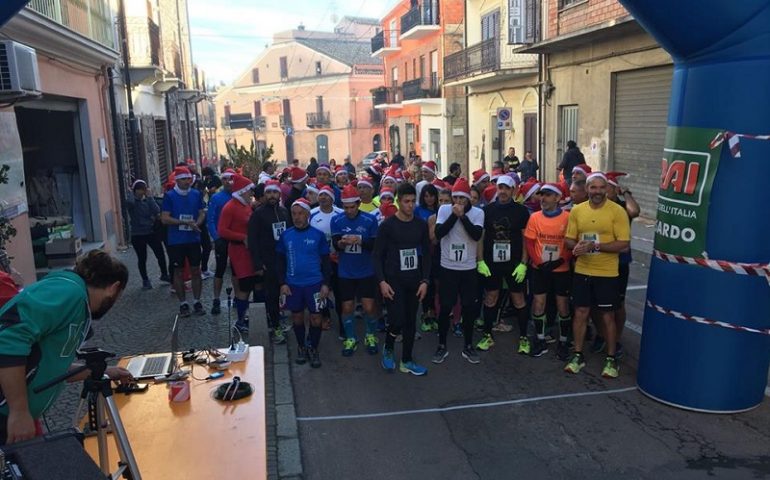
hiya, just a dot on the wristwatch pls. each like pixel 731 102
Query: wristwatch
pixel 596 247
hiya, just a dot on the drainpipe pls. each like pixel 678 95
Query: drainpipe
pixel 119 158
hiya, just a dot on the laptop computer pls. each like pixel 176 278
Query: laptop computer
pixel 156 364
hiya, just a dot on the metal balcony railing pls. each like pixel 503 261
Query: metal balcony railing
pixel 376 117
pixel 384 39
pixel 421 88
pixel 422 14
pixel 318 119
pixel 477 59
pixel 143 42
pixel 386 95
pixel 91 18
pixel 378 41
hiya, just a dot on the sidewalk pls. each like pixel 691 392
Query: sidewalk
pixel 140 322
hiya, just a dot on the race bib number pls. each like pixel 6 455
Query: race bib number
pixel 320 302
pixel 550 253
pixel 501 252
pixel 408 259
pixel 354 249
pixel 590 237
pixel 457 252
pixel 278 229
pixel 185 218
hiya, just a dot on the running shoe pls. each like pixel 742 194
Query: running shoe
pixel 485 343
pixel 611 369
pixel 598 345
pixel 315 359
pixel 184 310
pixel 620 352
pixel 458 330
pixel 349 346
pixel 539 348
pixel 549 339
pixel 440 355
pixel 502 327
pixel 388 363
pixel 205 275
pixel 576 363
pixel 524 347
pixel 216 307
pixel 413 368
pixel 278 337
pixel 562 351
pixel 198 309
pixel 371 344
pixel 165 279
pixel 469 353
pixel 146 284
pixel 301 355
pixel 479 324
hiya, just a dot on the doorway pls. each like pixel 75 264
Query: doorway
pixel 54 166
pixel 322 148
pixel 434 141
pixel 377 143
pixel 395 141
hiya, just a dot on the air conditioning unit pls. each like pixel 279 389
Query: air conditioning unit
pixel 19 75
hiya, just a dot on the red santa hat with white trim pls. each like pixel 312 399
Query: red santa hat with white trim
pixel 340 170
pixel 302 202
pixel 461 188
pixel 298 175
pixel 612 177
pixel 429 166
pixel 551 187
pixel 582 168
pixel 366 181
pixel 229 172
pixel 529 188
pixel 479 176
pixel 273 186
pixel 489 194
pixel 326 190
pixel 182 172
pixel 241 185
pixel 387 192
pixel 350 194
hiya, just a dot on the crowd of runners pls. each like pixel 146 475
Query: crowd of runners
pixel 408 255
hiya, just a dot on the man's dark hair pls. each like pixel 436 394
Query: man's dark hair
pixel 405 189
pixel 259 191
pixel 207 172
pixel 99 269
pixel 312 159
pixel 454 167
pixel 571 144
pixel 498 164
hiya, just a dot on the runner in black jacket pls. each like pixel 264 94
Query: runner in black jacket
pixel 266 225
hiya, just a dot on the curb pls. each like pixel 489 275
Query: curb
pixel 289 449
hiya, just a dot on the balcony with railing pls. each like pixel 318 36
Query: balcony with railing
pixel 143 42
pixel 318 119
pixel 421 88
pixel 387 97
pixel 376 117
pixel 486 61
pixel 421 21
pixel 90 18
pixel 384 43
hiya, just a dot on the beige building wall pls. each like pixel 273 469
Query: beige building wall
pixel 300 60
pixel 520 96
pixel 583 77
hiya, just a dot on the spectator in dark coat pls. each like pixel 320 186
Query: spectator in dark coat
pixel 572 157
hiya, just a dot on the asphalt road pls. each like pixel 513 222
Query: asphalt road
pixel 518 417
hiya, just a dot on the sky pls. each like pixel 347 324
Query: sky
pixel 228 34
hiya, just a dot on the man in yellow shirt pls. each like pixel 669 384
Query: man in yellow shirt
pixel 597 232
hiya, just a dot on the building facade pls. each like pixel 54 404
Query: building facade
pixel 421 112
pixel 165 91
pixel 497 76
pixel 59 144
pixel 307 95
pixel 606 85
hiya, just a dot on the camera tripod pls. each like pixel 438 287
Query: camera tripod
pixel 102 412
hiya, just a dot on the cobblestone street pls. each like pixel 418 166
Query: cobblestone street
pixel 140 322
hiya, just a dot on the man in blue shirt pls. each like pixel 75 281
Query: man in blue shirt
pixel 353 236
pixel 304 271
pixel 216 203
pixel 183 212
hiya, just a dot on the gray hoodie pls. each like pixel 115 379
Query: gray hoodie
pixel 143 214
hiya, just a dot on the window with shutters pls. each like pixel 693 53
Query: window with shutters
pixel 532 21
pixel 284 68
pixel 568 127
pixel 255 76
pixel 516 21
pixel 490 25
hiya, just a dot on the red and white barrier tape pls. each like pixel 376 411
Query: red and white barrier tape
pixel 751 269
pixel 734 141
pixel 706 321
